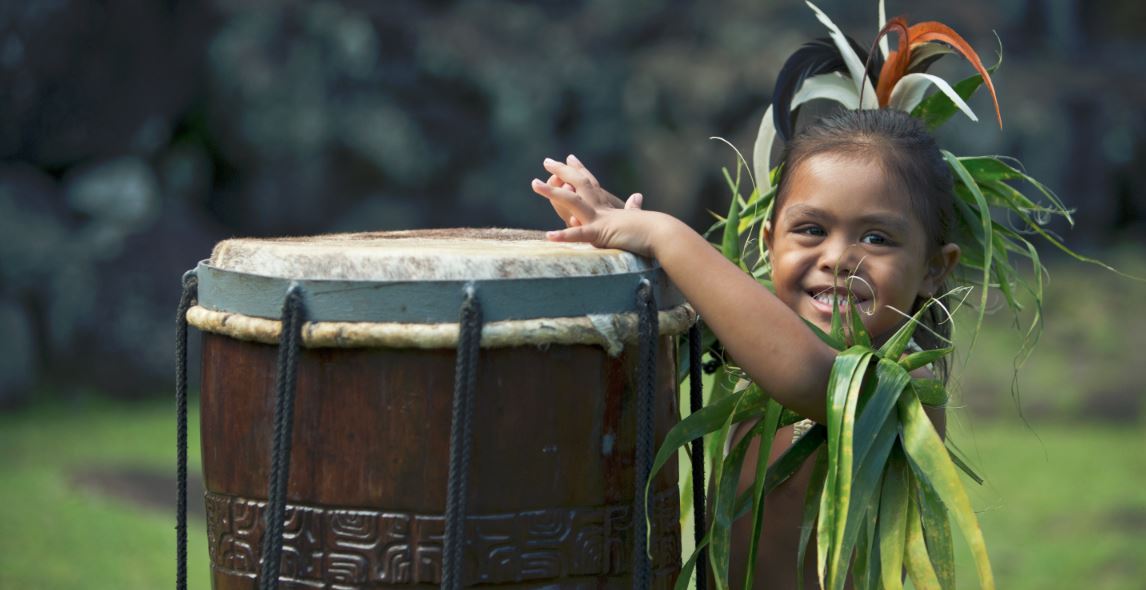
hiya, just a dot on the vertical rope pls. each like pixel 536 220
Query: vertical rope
pixel 461 430
pixel 190 294
pixel 648 330
pixel 699 511
pixel 289 340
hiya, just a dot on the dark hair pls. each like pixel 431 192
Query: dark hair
pixel 907 152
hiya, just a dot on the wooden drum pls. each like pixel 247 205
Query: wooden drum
pixel 550 489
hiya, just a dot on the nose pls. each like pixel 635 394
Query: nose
pixel 839 256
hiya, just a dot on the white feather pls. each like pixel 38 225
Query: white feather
pixel 882 24
pixel 855 66
pixel 831 86
pixel 762 152
pixel 909 91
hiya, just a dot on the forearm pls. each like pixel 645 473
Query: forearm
pixel 764 337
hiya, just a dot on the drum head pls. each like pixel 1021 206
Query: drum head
pixel 422 255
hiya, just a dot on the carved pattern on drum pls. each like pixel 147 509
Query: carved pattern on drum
pixel 348 548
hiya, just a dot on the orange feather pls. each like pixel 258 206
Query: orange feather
pixel 930 31
pixel 895 67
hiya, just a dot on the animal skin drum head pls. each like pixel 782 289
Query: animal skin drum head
pixel 422 255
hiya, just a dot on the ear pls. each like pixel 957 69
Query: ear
pixel 939 266
pixel 768 234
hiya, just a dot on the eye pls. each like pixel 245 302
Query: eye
pixel 876 239
pixel 811 230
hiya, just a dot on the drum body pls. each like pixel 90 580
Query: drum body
pixel 551 480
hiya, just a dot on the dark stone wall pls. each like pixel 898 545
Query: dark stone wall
pixel 136 133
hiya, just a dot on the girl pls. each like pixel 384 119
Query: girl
pixel 863 208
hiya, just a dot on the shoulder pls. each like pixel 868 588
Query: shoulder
pixel 923 373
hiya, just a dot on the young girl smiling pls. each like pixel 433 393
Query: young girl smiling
pixel 863 210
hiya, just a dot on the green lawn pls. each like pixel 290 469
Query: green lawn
pixel 54 536
pixel 1063 506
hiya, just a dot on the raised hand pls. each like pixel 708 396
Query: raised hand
pixel 575 177
pixel 591 213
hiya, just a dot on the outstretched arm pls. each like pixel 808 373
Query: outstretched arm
pixel 766 338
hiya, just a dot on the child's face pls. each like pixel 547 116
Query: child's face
pixel 841 218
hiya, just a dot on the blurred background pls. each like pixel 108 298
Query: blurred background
pixel 134 134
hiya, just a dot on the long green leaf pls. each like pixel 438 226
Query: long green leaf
pixel 923 358
pixel 867 560
pixel 893 521
pixel 936 534
pixel 928 457
pixel 730 244
pixel 953 452
pixel 685 577
pixel 985 219
pixel 767 433
pixel 895 345
pixel 915 557
pixel 875 435
pixel 859 334
pixel 710 418
pixel 865 489
pixel 811 510
pixel 720 546
pixel 837 326
pixel 931 392
pixel 830 339
pixel 844 384
pixel 890 381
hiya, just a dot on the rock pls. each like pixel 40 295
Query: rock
pixel 18 363
pixel 123 192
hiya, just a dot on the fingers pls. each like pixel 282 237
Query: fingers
pixel 566 200
pixel 571 175
pixel 574 162
pixel 579 180
pixel 580 233
pixel 634 201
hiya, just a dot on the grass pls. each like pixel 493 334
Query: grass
pixel 1062 506
pixel 58 537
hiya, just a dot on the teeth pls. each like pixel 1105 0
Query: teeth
pixel 829 299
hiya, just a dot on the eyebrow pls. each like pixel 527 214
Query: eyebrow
pixel 895 223
pixel 799 210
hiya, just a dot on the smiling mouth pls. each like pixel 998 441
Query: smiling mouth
pixel 826 298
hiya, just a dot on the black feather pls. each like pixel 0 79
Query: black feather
pixel 812 59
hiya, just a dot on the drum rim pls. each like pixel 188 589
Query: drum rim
pixel 433 301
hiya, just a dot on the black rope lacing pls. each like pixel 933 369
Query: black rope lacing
pixel 648 329
pixel 461 434
pixel 190 294
pixel 695 388
pixel 289 340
